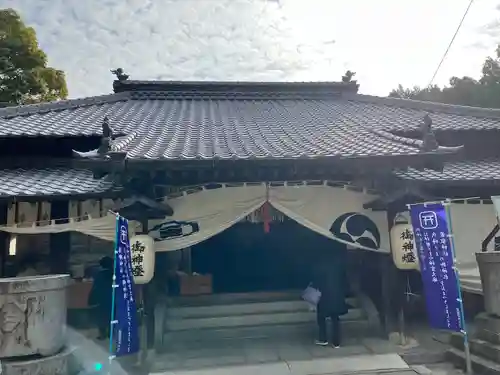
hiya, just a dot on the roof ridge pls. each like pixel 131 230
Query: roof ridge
pixel 460 110
pixel 231 87
pixel 30 109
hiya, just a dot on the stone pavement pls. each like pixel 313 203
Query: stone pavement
pixel 277 356
pixel 258 351
pixel 387 364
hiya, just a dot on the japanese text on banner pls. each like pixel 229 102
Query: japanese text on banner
pixel 442 293
pixel 125 306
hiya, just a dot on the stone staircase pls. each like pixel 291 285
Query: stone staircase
pixel 275 315
pixel 484 345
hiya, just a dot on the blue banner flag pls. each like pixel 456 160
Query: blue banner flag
pixel 124 322
pixel 434 243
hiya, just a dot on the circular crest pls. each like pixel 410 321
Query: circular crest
pixel 357 229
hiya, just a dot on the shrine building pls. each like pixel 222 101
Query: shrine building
pixel 239 183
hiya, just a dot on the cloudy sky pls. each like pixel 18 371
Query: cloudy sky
pixel 385 41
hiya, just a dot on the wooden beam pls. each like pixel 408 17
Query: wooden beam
pixel 406 195
pixel 60 243
pixel 141 208
pixel 161 207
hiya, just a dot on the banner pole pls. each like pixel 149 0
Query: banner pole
pixel 113 294
pixel 468 362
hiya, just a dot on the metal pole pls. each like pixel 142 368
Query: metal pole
pixel 468 362
pixel 113 293
pixel 144 338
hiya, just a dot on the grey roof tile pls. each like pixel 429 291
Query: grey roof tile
pixel 237 121
pixel 51 181
pixel 159 103
pixel 78 117
pixel 403 115
pixel 485 170
pixel 243 129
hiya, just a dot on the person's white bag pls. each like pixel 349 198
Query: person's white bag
pixel 311 295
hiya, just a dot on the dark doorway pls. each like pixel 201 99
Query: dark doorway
pixel 246 259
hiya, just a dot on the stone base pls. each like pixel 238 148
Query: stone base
pixel 53 365
pixel 489 267
pixel 33 311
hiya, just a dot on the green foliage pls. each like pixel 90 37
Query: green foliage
pixel 24 75
pixel 484 92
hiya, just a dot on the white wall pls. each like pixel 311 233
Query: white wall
pixel 471 223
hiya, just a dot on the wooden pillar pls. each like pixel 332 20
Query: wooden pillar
pixel 186 263
pixel 4 240
pixel 149 294
pixel 393 287
pixel 60 243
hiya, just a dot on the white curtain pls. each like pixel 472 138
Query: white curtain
pixel 103 227
pixel 213 210
pixel 317 207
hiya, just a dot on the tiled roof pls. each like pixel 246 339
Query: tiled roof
pixel 269 108
pixel 243 129
pixel 179 120
pixel 485 170
pixel 51 181
pixel 79 117
pixel 400 115
pixel 64 181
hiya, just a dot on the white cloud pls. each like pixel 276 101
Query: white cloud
pixel 386 41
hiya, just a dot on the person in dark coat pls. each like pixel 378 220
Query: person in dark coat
pixel 100 296
pixel 330 279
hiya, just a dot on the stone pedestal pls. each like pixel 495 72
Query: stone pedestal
pixel 33 324
pixel 489 269
pixel 54 365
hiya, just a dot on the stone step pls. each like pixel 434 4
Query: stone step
pixel 480 365
pixel 487 328
pixel 240 298
pixel 443 368
pixel 364 364
pixel 252 319
pixel 478 347
pixel 292 332
pixel 238 309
